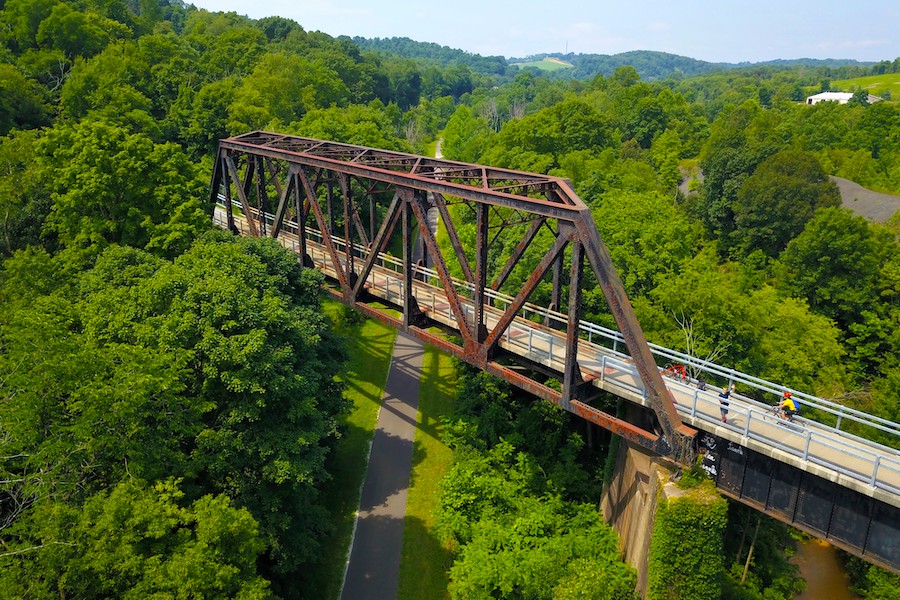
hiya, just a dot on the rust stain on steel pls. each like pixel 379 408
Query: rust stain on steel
pixel 572 373
pixel 618 426
pixel 480 277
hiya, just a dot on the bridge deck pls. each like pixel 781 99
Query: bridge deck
pixel 830 453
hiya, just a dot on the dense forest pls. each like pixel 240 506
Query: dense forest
pixel 168 393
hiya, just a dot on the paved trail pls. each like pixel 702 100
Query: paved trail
pixel 374 566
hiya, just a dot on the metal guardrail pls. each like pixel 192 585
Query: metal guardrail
pixel 875 462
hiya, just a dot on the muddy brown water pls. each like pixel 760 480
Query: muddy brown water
pixel 823 572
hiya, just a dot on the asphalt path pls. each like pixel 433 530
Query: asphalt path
pixel 373 567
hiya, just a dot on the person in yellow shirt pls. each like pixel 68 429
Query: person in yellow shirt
pixel 788 407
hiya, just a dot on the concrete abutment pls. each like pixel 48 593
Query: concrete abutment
pixel 629 503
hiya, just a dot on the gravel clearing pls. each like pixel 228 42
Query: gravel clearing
pixel 874 206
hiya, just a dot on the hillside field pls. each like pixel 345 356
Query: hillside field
pixel 547 64
pixel 874 84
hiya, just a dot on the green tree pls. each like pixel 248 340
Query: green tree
pixel 110 186
pixel 685 559
pixel 708 309
pixel 137 541
pixel 518 539
pixel 355 124
pixel 574 124
pixel 649 237
pixel 21 102
pixel 260 356
pixel 466 136
pixel 860 98
pixel 775 203
pixel 232 46
pixel 21 20
pixel 281 89
pixel 78 33
pixel 208 116
pixel 833 264
pixel 647 121
pixel 24 199
pixel 217 368
pixel 740 139
pixel 528 553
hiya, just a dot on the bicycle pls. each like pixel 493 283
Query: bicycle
pixel 784 418
pixel 675 371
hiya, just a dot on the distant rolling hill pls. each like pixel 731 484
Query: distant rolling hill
pixel 650 65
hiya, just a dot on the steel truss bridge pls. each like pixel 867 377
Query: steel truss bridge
pixel 342 209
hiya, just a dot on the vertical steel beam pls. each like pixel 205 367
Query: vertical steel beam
pixel 572 373
pixel 480 281
pixel 216 183
pixel 300 205
pixel 328 198
pixel 261 196
pixel 556 293
pixel 242 195
pixel 348 232
pixel 408 274
pixel 226 185
pixel 373 217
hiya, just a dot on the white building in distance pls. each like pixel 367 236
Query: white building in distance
pixel 839 97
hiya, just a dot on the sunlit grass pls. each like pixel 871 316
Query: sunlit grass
pixel 425 560
pixel 874 84
pixel 547 64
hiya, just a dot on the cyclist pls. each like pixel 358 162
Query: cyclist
pixel 788 407
pixel 677 371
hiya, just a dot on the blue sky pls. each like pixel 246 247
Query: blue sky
pixel 712 30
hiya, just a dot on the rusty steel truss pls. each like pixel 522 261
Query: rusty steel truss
pixel 362 195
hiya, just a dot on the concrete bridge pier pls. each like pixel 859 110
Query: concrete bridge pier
pixel 629 503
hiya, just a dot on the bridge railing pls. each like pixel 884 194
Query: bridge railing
pixel 536 341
